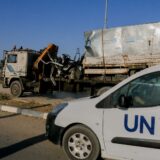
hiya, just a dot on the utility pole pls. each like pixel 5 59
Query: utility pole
pixel 106 15
pixel 105 26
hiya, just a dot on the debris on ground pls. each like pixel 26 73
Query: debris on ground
pixel 6 99
pixel 4 96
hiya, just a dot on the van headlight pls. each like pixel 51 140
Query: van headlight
pixel 59 108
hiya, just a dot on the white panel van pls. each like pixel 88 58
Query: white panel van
pixel 122 123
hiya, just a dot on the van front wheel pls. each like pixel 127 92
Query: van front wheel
pixel 80 143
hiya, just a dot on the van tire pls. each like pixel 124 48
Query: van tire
pixel 16 88
pixel 79 142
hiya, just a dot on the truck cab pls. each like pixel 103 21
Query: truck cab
pixel 17 69
pixel 29 70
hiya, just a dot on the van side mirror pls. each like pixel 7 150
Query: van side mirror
pixel 124 101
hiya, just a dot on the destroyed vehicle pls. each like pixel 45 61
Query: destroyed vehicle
pixel 26 70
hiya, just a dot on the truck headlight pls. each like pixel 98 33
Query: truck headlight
pixel 59 108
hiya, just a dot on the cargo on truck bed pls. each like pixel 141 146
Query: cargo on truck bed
pixel 121 50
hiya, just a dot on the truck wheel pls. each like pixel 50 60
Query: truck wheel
pixel 16 88
pixel 79 142
pixel 102 90
pixel 132 72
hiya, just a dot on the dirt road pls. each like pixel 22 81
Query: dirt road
pixel 24 138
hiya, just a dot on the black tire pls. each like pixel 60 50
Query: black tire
pixel 102 90
pixel 132 72
pixel 78 140
pixel 16 88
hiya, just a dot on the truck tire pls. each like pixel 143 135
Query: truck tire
pixel 75 73
pixel 16 88
pixel 132 72
pixel 79 142
pixel 102 90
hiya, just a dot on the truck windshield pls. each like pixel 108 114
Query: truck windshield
pixel 12 58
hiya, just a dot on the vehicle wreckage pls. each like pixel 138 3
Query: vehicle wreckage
pixel 110 56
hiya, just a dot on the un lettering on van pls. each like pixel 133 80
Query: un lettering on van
pixel 139 124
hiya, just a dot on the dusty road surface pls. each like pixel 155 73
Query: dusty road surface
pixel 23 138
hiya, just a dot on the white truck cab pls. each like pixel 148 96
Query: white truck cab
pixel 18 70
pixel 122 123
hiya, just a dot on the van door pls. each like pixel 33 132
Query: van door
pixel 133 132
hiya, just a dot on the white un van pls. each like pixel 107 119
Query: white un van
pixel 122 123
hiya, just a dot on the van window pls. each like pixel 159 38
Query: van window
pixel 115 96
pixel 105 103
pixel 12 58
pixel 112 100
pixel 143 92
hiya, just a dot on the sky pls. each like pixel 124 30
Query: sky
pixel 36 23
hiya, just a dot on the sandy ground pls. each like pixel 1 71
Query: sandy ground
pixel 41 103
